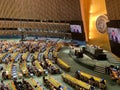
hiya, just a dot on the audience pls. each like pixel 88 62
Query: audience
pixel 3 86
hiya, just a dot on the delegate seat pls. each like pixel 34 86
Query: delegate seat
pixel 115 75
pixel 8 70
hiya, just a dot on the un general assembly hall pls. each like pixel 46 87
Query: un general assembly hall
pixel 59 44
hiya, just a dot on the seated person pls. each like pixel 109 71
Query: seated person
pixel 44 80
pixel 60 88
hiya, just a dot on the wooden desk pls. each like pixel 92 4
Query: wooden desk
pixel 63 65
pixel 55 54
pixel 14 55
pixel 47 51
pixel 86 77
pixel 39 67
pixel 58 47
pixel 49 62
pixel 75 82
pixel 23 67
pixel 36 55
pixel 56 70
pixel 54 82
pixel 46 54
pixel 2 55
pixel 34 84
pixel 89 76
pixel 25 55
pixel 12 49
pixel 8 69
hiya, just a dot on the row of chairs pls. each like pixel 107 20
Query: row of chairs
pixel 18 57
pixel 115 74
pixel 14 72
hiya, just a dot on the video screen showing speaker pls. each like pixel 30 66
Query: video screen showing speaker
pixel 114 38
pixel 114 34
pixel 76 28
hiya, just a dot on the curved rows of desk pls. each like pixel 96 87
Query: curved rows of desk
pixel 77 84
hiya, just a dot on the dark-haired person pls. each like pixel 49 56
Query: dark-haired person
pixel 114 37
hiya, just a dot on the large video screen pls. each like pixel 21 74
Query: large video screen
pixel 114 34
pixel 114 37
pixel 76 28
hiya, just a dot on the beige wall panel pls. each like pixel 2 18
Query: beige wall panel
pixel 113 9
pixel 40 9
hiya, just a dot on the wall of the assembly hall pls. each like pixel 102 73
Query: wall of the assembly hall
pixel 42 14
pixel 97 7
pixel 113 6
pixel 65 10
pixel 85 8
